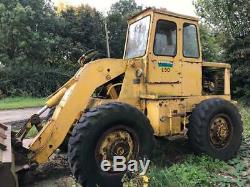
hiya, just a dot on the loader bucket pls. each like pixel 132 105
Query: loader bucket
pixel 8 177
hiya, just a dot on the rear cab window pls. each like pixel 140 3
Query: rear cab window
pixel 190 41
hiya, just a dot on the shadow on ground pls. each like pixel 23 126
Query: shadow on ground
pixel 169 152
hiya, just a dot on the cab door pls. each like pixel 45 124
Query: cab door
pixel 191 59
pixel 164 69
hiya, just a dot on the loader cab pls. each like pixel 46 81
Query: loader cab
pixel 169 45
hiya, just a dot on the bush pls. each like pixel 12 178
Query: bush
pixel 37 81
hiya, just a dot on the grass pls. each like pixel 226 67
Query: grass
pixel 175 166
pixel 20 102
pixel 193 171
pixel 32 133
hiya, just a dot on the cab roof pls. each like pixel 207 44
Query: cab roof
pixel 165 12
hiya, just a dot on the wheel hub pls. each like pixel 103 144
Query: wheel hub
pixel 220 131
pixel 120 148
pixel 116 143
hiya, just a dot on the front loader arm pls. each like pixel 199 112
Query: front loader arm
pixel 73 104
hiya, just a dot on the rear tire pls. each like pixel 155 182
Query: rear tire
pixel 98 125
pixel 216 129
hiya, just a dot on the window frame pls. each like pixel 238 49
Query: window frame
pixel 147 42
pixel 175 41
pixel 197 38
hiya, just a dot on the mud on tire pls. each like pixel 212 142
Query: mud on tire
pixel 207 135
pixel 92 127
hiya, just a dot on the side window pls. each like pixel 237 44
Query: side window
pixel 190 41
pixel 165 38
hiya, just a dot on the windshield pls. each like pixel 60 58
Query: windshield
pixel 137 38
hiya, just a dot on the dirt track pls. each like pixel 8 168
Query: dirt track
pixel 7 116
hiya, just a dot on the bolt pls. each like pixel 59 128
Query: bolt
pixel 108 77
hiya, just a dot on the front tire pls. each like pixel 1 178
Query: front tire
pixel 102 132
pixel 215 128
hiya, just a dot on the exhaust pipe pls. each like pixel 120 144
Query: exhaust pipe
pixel 8 177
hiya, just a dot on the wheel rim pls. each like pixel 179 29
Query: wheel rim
pixel 220 131
pixel 117 141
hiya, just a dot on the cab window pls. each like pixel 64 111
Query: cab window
pixel 190 41
pixel 165 38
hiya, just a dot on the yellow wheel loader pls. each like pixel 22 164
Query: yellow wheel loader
pixel 115 107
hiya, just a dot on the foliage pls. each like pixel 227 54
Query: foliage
pixel 194 171
pixel 39 48
pixel 231 19
pixel 40 45
pixel 229 16
pixel 27 32
pixel 117 24
pixel 211 50
pixel 238 53
pixel 245 116
pixel 83 29
pixel 20 102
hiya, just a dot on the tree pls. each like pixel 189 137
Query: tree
pixel 232 19
pixel 83 30
pixel 40 45
pixel 27 33
pixel 117 24
pixel 211 49
pixel 229 16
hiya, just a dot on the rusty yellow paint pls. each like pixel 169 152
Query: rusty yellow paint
pixel 73 103
pixel 191 80
pixel 165 97
pixel 227 81
pixel 165 116
pixel 56 98
pixel 130 91
pixel 66 85
pixel 216 65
